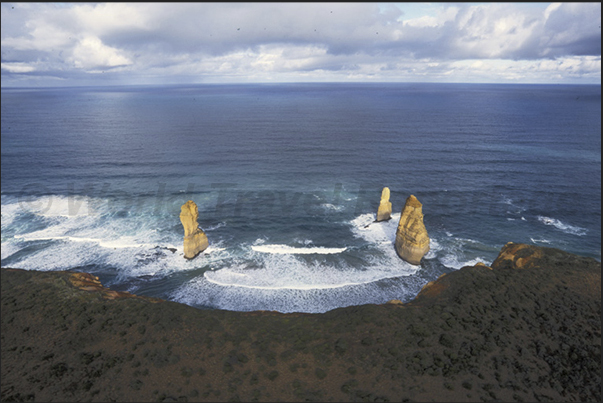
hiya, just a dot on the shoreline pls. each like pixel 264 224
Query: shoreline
pixel 527 328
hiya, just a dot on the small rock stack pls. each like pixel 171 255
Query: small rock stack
pixel 195 240
pixel 385 207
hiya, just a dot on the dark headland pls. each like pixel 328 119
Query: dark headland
pixel 528 328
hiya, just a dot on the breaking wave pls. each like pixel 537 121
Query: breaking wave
pixel 290 250
pixel 568 229
pixel 305 273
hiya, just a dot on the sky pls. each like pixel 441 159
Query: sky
pixel 72 44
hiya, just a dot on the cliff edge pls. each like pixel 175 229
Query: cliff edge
pixel 526 328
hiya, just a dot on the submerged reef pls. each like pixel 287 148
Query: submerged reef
pixel 526 328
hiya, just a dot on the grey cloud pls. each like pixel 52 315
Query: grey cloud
pixel 573 29
pixel 159 36
pixel 222 28
pixel 343 28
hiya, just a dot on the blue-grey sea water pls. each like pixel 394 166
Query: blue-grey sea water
pixel 287 177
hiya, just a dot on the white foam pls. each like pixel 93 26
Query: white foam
pixel 213 249
pixel 458 252
pixel 259 241
pixel 283 267
pixel 129 260
pixel 122 242
pixel 62 206
pixel 8 249
pixel 382 232
pixel 434 248
pixel 305 278
pixel 539 240
pixel 290 250
pixel 67 256
pixel 286 272
pixel 214 227
pixel 568 229
pixel 509 201
pixel 57 227
pixel 453 261
pixel 295 275
pixel 201 292
pixel 294 283
pixel 127 243
pixel 382 235
pixel 330 206
pixel 304 242
pixel 9 212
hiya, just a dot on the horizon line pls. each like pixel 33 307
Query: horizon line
pixel 2 87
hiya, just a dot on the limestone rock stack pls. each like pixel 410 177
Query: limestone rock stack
pixel 195 240
pixel 385 207
pixel 412 241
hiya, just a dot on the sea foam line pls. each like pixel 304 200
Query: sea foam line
pixel 105 244
pixel 290 250
pixel 568 229
pixel 540 240
pixel 294 287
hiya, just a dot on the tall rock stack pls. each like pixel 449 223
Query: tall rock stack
pixel 195 240
pixel 385 207
pixel 412 241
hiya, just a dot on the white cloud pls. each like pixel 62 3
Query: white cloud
pixel 550 8
pixel 91 53
pixel 112 17
pixel 40 35
pixel 18 67
pixel 290 41
pixel 442 15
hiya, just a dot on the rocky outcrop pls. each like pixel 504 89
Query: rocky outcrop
pixel 195 240
pixel 385 207
pixel 90 283
pixel 518 256
pixel 412 241
pixel 535 265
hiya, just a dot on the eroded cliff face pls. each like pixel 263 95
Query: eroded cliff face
pixel 385 207
pixel 195 240
pixel 412 241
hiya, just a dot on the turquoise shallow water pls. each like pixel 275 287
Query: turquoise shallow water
pixel 286 178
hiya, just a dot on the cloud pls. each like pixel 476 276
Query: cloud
pixel 134 42
pixel 572 29
pixel 18 67
pixel 91 53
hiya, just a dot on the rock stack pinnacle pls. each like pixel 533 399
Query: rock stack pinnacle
pixel 385 207
pixel 195 240
pixel 412 241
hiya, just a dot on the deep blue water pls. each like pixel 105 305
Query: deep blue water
pixel 286 178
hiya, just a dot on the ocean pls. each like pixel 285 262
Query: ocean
pixel 288 178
